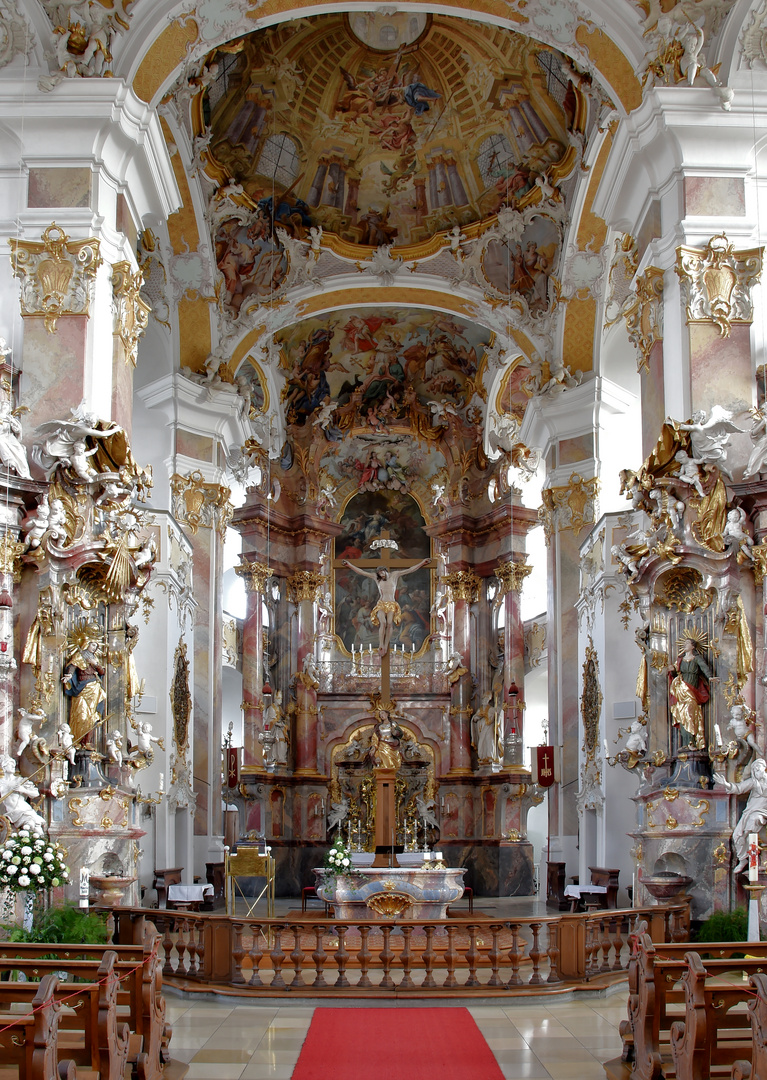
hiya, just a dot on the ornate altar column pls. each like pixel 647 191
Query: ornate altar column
pixel 304 588
pixel 204 509
pixel 511 575
pixel 256 576
pixel 463 590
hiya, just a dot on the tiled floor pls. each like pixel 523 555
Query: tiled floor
pixel 565 1040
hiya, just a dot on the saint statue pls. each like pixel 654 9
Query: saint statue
pixel 387 611
pixel 688 689
pixel 82 681
pixel 276 723
pixel 385 741
pixel 754 816
pixel 483 732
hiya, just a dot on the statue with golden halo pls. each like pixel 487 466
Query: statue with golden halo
pixel 82 679
pixel 688 686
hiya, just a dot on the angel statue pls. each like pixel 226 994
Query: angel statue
pixel 757 461
pixel 339 812
pixel 64 443
pixel 14 792
pixel 710 437
pixel 13 453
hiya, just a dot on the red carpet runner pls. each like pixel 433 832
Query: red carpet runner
pixel 395 1044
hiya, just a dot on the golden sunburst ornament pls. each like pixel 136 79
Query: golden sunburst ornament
pixel 83 638
pixel 699 638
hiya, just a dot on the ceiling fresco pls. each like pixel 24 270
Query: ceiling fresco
pixel 382 130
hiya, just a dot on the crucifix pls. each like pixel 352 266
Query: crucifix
pixel 386 573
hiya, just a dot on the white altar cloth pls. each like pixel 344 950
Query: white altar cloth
pixel 189 894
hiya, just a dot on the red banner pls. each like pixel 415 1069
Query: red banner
pixel 545 760
pixel 232 766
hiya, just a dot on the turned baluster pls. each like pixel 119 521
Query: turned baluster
pixel 607 941
pixel 451 957
pixel 515 955
pixel 167 944
pixel 535 954
pixel 553 952
pixel 278 958
pixel 342 956
pixel 297 956
pixel 255 953
pixel 364 956
pixel 319 956
pixel 494 955
pixel 199 948
pixel 618 943
pixel 237 954
pixel 472 957
pixel 592 948
pixel 406 959
pixel 428 958
pixel 386 956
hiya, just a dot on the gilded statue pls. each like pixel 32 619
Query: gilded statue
pixel 689 689
pixel 385 741
pixel 82 680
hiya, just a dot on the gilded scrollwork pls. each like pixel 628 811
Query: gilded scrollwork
pixel 56 274
pixel 571 506
pixel 180 699
pixel 131 311
pixel 199 504
pixel 255 576
pixel 643 313
pixel 591 701
pixel 716 282
pixel 306 585
pixel 462 585
pixel 511 575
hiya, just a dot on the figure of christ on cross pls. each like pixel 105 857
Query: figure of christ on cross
pixel 387 611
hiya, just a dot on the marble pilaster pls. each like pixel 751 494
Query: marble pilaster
pixel 255 575
pixel 463 588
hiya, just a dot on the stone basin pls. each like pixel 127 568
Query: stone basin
pixel 666 886
pixel 112 887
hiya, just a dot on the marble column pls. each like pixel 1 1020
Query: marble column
pixel 463 590
pixel 511 574
pixel 256 576
pixel 304 588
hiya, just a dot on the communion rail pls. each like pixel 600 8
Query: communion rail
pixel 482 956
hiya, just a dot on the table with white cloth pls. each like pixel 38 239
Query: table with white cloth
pixel 577 893
pixel 188 896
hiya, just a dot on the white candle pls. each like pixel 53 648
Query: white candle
pixel 718 734
pixel 606 750
pixel 162 782
pixel 753 856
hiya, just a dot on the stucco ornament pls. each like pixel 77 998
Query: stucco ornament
pixel 15 35
pixel 84 31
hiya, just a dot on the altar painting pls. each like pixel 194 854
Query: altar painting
pixel 523 267
pixel 383 462
pixel 366 518
pixel 377 366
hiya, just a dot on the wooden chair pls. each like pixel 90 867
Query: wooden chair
pixel 247 862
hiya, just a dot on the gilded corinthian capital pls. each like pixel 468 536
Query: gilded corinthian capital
pixel 305 585
pixel 462 585
pixel 255 575
pixel 511 574
pixel 56 274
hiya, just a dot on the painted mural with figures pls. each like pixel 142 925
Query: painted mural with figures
pixel 382 131
pixel 380 367
pixel 367 516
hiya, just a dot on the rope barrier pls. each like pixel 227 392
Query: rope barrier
pixel 100 982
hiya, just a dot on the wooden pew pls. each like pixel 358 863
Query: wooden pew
pixel 712 1037
pixel 140 1000
pixel 657 996
pixel 29 1049
pixel 88 1030
pixel 756 1068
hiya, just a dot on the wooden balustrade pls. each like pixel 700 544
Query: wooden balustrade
pixel 474 955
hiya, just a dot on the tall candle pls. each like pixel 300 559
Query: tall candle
pixel 753 856
pixel 718 734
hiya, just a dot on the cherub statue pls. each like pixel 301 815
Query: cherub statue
pixel 454 668
pixel 115 747
pixel 36 525
pixel 144 740
pixel 636 743
pixel 309 671
pixel 736 534
pixel 689 471
pixel 25 729
pixel 66 742
pixel 14 791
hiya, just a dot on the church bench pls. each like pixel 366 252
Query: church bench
pixel 756 1068
pixel 88 1029
pixel 29 1044
pixel 657 996
pixel 139 999
pixel 712 1036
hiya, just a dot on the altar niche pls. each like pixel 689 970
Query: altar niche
pixel 412 824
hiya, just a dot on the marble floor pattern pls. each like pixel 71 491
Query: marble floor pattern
pixel 560 1040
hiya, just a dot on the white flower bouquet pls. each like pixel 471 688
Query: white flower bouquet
pixel 29 861
pixel 338 862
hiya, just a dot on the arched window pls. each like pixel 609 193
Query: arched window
pixel 494 157
pixel 279 159
pixel 388 36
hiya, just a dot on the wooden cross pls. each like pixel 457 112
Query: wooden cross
pixel 389 562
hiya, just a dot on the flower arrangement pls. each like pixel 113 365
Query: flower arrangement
pixel 29 861
pixel 338 862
